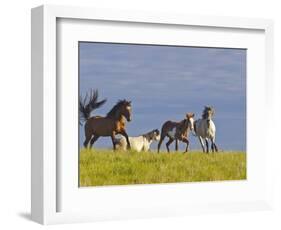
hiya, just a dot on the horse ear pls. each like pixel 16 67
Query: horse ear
pixel 188 115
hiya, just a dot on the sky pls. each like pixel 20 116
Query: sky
pixel 166 82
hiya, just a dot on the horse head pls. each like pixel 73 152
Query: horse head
pixel 208 112
pixel 190 121
pixel 121 109
pixel 126 110
pixel 153 135
pixel 156 135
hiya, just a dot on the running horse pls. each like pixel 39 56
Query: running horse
pixel 177 131
pixel 205 129
pixel 112 124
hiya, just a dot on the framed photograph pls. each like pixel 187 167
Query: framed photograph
pixel 138 114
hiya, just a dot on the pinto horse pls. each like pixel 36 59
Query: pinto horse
pixel 139 143
pixel 205 129
pixel 112 124
pixel 177 131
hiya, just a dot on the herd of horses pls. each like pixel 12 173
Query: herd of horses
pixel 114 123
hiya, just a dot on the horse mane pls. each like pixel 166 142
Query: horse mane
pixel 182 126
pixel 205 112
pixel 116 107
pixel 182 122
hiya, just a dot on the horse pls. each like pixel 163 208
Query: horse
pixel 112 124
pixel 177 131
pixel 139 143
pixel 205 129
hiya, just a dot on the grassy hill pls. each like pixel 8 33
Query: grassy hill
pixel 105 167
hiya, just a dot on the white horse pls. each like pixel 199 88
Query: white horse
pixel 205 129
pixel 139 143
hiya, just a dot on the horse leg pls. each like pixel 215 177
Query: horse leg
pixel 207 145
pixel 93 140
pixel 214 146
pixel 86 142
pixel 187 144
pixel 160 142
pixel 88 138
pixel 185 140
pixel 127 138
pixel 113 140
pixel 88 135
pixel 202 143
pixel 168 143
pixel 177 145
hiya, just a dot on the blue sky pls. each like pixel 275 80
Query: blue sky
pixel 166 82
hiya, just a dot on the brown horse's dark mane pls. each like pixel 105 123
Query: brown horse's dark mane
pixel 113 112
pixel 182 127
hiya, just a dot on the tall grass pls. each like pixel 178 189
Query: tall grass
pixel 105 167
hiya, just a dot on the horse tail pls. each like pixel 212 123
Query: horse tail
pixel 88 104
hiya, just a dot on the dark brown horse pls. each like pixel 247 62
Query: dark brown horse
pixel 112 124
pixel 177 131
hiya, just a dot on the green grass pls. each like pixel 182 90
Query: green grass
pixel 105 167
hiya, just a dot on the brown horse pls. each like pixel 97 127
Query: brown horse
pixel 112 124
pixel 177 131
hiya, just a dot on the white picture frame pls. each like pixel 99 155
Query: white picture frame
pixel 52 200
